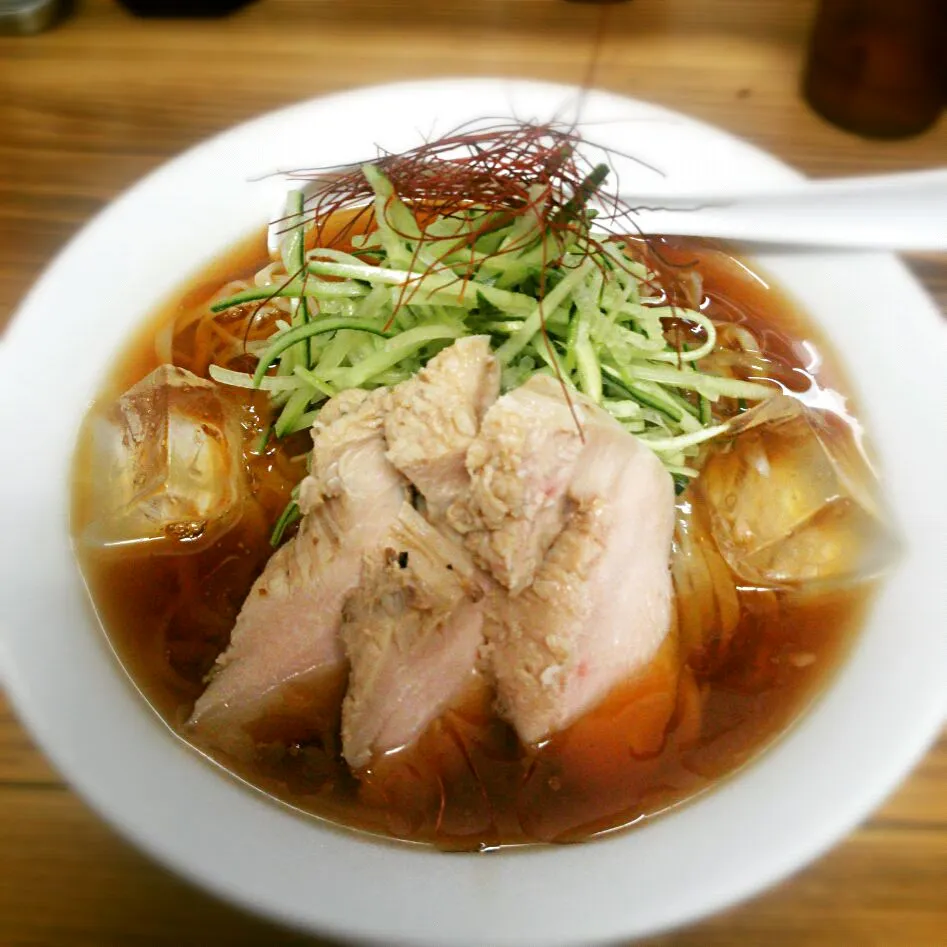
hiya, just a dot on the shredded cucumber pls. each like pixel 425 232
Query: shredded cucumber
pixel 375 315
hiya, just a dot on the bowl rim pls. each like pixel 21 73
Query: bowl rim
pixel 549 895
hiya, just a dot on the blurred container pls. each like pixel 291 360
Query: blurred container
pixel 879 67
pixel 183 8
pixel 30 16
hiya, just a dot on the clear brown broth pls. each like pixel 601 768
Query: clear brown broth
pixel 678 728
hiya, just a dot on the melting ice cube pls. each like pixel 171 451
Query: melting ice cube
pixel 792 499
pixel 166 463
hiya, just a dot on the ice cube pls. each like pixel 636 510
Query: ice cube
pixel 167 464
pixel 792 499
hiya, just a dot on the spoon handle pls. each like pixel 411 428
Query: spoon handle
pixel 905 211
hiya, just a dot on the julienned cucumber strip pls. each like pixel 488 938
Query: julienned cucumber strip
pixel 285 340
pixel 293 289
pixel 397 348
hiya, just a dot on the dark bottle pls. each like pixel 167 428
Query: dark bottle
pixel 879 67
pixel 183 8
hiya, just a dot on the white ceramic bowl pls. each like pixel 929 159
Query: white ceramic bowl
pixel 878 715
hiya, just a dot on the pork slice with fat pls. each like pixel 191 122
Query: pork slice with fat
pixel 412 630
pixel 600 602
pixel 435 416
pixel 285 656
pixel 520 465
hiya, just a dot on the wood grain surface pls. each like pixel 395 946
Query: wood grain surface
pixel 91 106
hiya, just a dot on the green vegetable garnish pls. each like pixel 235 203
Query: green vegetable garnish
pixel 527 267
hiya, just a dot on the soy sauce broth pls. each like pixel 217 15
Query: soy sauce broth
pixel 678 728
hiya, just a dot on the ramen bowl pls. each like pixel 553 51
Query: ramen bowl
pixel 883 706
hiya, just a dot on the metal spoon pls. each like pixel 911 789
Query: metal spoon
pixel 906 211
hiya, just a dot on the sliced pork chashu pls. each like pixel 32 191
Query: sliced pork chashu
pixel 520 465
pixel 285 656
pixel 599 604
pixel 412 630
pixel 435 416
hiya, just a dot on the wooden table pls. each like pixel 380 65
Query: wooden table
pixel 88 108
